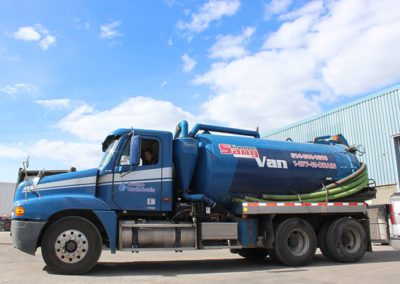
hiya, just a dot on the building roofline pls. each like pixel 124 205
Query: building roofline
pixel 347 105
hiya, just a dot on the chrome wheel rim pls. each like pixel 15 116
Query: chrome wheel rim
pixel 71 246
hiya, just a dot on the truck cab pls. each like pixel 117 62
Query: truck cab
pixel 145 185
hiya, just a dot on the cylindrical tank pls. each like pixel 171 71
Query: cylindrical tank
pixel 229 166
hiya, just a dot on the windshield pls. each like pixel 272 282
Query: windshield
pixel 109 152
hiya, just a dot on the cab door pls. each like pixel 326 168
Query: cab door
pixel 139 188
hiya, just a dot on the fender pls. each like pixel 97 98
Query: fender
pixel 42 208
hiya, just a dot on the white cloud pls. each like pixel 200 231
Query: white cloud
pixel 139 112
pixel 47 42
pixel 56 103
pixel 78 154
pixel 291 34
pixel 27 33
pixel 163 84
pixel 188 63
pixel 319 53
pixel 170 42
pixel 82 155
pixel 230 46
pixel 108 31
pixel 36 33
pixel 19 88
pixel 80 25
pixel 266 90
pixel 170 3
pixel 311 8
pixel 210 11
pixel 276 7
pixel 12 153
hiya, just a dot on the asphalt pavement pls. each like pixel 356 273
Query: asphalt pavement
pixel 207 266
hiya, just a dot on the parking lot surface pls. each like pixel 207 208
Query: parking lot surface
pixel 211 266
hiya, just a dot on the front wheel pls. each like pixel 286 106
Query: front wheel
pixel 71 245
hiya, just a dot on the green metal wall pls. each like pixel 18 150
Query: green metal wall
pixel 373 121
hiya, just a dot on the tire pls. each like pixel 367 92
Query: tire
pixel 346 240
pixel 254 254
pixel 273 257
pixel 71 245
pixel 295 242
pixel 321 237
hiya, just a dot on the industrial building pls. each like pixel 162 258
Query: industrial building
pixel 6 197
pixel 373 122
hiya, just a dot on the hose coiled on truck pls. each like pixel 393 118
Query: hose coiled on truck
pixel 343 188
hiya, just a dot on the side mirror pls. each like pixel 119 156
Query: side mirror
pixel 134 159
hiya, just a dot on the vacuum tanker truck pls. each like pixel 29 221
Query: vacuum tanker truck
pixel 213 187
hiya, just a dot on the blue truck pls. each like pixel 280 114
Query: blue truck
pixel 213 187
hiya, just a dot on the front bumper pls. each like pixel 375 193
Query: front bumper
pixel 25 234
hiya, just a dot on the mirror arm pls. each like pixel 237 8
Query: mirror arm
pixel 126 173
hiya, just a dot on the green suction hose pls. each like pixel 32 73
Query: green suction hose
pixel 340 189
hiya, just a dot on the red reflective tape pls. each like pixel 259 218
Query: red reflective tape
pixel 392 215
pixel 257 204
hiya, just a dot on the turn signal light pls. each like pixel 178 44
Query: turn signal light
pixel 19 211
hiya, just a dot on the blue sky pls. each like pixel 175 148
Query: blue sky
pixel 71 71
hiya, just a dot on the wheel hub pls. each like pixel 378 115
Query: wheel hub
pixel 293 241
pixel 71 246
pixel 298 242
pixel 351 240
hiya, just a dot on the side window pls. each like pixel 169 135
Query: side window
pixel 149 153
pixel 125 157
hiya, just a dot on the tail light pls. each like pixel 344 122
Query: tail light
pixel 392 217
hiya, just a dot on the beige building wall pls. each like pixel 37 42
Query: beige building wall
pixel 383 194
pixel 6 197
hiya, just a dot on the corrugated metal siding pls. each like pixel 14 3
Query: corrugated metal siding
pixel 6 197
pixel 371 122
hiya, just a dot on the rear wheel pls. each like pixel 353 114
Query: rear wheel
pixel 255 254
pixel 322 240
pixel 71 245
pixel 346 240
pixel 273 256
pixel 295 242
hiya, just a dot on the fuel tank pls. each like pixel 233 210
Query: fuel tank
pixel 223 167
